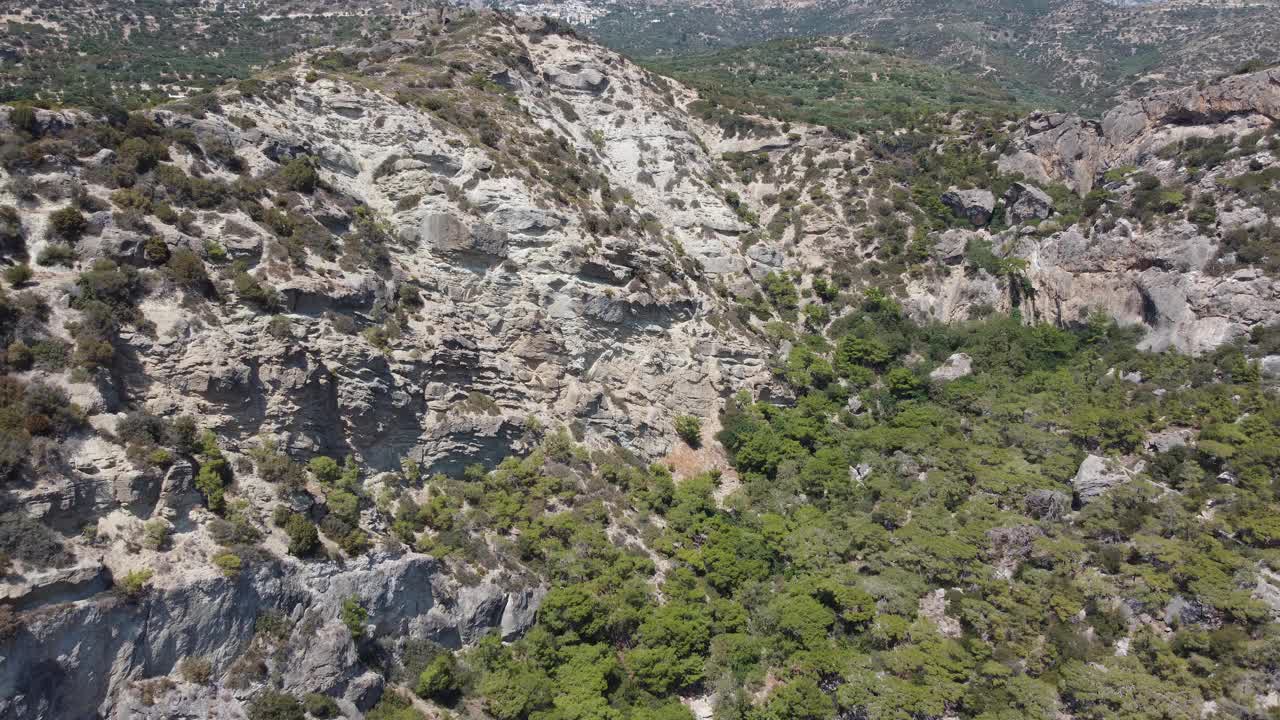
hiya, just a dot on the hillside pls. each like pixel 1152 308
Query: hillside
pixel 1082 54
pixel 840 83
pixel 137 52
pixel 476 370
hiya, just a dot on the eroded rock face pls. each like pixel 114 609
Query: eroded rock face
pixel 74 660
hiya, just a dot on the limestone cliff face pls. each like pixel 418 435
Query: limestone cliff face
pixel 520 302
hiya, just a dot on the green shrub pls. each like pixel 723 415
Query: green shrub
pixel 156 250
pixel 272 705
pixel 320 706
pixel 781 291
pixel 354 616
pixel 214 473
pixel 68 223
pixel 56 254
pixel 439 681
pixel 229 563
pixel 13 241
pixel 300 176
pixel 108 283
pixel 19 356
pixel 303 536
pixel 254 292
pixel 18 275
pixel 689 428
pixel 903 383
pixel 354 543
pixel 155 534
pixel 391 706
pixel 134 583
pixel 23 118
pixel 187 270
pixel 139 155
pixel 325 469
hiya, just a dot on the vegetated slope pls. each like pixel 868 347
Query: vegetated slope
pixel 334 377
pixel 1084 53
pixel 841 83
pixel 137 52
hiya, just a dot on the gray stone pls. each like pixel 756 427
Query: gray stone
pixel 1270 366
pixel 1025 202
pixel 578 76
pixel 950 245
pixel 957 366
pixel 448 235
pixel 1096 476
pixel 975 206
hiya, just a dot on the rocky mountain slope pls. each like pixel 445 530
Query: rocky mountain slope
pixel 478 238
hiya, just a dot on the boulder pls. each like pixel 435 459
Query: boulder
pixel 1271 366
pixel 949 247
pixel 975 206
pixel 449 236
pixel 1096 476
pixel 1025 202
pixel 957 366
pixel 577 76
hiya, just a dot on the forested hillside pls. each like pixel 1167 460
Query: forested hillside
pixel 470 369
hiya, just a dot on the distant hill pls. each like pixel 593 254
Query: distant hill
pixel 846 84
pixel 1085 54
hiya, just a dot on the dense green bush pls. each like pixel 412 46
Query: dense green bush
pixel 68 223
pixel 134 583
pixel 689 428
pixel 251 290
pixel 304 539
pixel 13 240
pixel 23 117
pixel 354 616
pixel 18 275
pixel 214 472
pixel 801 590
pixel 300 175
pixel 320 706
pixel 56 254
pixel 272 705
pixel 440 681
pixel 187 270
